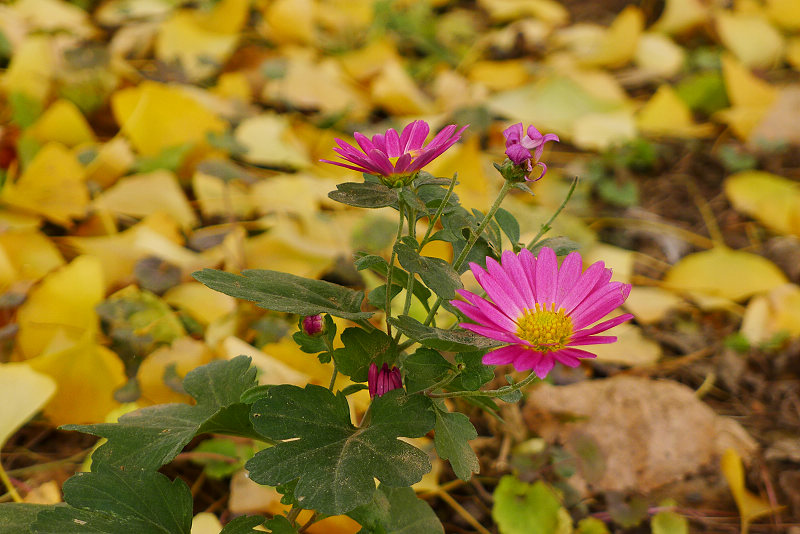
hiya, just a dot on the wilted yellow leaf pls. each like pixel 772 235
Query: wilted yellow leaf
pixel 666 114
pixel 156 116
pixel 199 52
pixel 87 375
pixel 547 10
pixel 23 392
pixel 204 304
pixel 784 13
pixel 395 91
pixel 233 85
pixel 769 198
pixel 46 493
pixel 175 360
pixel 750 37
pixel 777 312
pixel 500 75
pixel 750 97
pixel 62 122
pixel 224 16
pixel 113 160
pixel 290 21
pixel 750 506
pixel 681 15
pixel 658 55
pixel 218 197
pixel 64 302
pixel 793 52
pixel 134 196
pixel 52 186
pixel 294 194
pixel 726 273
pixel 619 42
pixel 30 253
pixel 269 141
pixel 600 131
pixel 364 63
pixel 30 70
pixel 55 15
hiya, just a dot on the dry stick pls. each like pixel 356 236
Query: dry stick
pixel 705 211
pixel 462 512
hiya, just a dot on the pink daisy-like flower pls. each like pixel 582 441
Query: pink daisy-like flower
pixel 519 145
pixel 383 380
pixel 542 311
pixel 394 155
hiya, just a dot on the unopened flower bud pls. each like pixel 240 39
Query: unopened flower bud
pixel 313 325
pixel 383 380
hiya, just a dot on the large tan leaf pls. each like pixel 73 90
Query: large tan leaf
pixel 155 116
pixel 55 15
pixel 396 92
pixel 468 161
pixel 113 160
pixel 23 392
pixel 174 360
pixel 658 55
pixel 283 25
pixel 506 10
pixel 204 304
pixel 771 199
pixel 136 196
pixel 726 273
pixel 784 13
pixel 63 303
pixel 52 186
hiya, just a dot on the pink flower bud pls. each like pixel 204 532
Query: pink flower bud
pixel 384 380
pixel 313 325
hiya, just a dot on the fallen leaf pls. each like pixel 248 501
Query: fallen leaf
pixel 650 432
pixel 651 304
pixel 30 254
pixel 202 303
pixel 658 55
pixel 23 392
pixel 632 347
pixel 395 91
pixel 548 10
pixel 206 523
pixel 776 313
pixel 54 15
pixel 30 70
pixel 467 162
pixel 618 44
pixel 46 493
pixel 750 506
pixel 52 186
pixel 680 16
pixel 751 38
pixel 174 361
pixel 133 196
pixel 271 370
pixel 666 114
pixel 282 25
pixel 726 273
pixel 771 199
pixel 112 161
pixel 781 122
pixel 63 304
pixel 64 123
pixel 784 13
pixel 750 97
pixel 269 141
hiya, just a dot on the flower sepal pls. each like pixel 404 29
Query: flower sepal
pixel 511 172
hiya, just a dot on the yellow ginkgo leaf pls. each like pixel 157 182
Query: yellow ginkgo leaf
pixel 52 186
pixel 619 42
pixel 750 97
pixel 199 52
pixel 600 131
pixel 726 273
pixel 155 117
pixel 206 523
pixel 31 254
pixel 218 197
pixel 784 13
pixel 64 302
pixel 793 52
pixel 283 25
pixel 204 304
pixel 23 392
pixel 234 85
pixel 651 304
pixel 55 15
pixel 752 39
pixel 775 313
pixel 364 63
pixel 133 196
pixel 632 347
pixel 500 75
pixel 750 506
pixel 269 141
pixel 170 362
pixel 295 194
pixel 224 16
pixel 113 160
pixel 658 55
pixel 87 375
pixel 680 16
pixel 549 11
pixel 271 370
pixel 62 122
pixel 30 70
pixel 769 198
pixel 395 91
pixel 666 114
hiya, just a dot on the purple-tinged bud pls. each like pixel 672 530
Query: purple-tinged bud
pixel 383 380
pixel 524 149
pixel 313 325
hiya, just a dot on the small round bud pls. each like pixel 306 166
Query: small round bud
pixel 313 325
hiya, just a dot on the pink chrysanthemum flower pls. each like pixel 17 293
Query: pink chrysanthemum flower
pixel 542 311
pixel 383 380
pixel 396 156
pixel 519 145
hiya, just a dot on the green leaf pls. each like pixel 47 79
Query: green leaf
pixel 364 195
pixel 704 91
pixel 445 340
pixel 453 431
pixel 474 373
pixel 245 525
pixel 424 368
pixel 362 348
pixel 521 508
pixel 170 158
pixel 560 245
pixel 411 199
pixel 396 511
pixel 24 109
pixel 508 223
pixel 399 276
pixel 669 522
pixel 151 437
pixel 334 462
pixel 231 456
pixel 279 525
pixel 286 292
pixel 18 518
pixel 113 500
pixel 591 525
pixel 437 274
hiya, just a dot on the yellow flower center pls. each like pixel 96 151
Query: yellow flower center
pixel 547 330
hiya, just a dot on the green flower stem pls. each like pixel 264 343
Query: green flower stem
pixel 490 393
pixel 293 513
pixel 412 278
pixel 11 489
pixel 471 242
pixel 333 376
pixel 390 273
pixel 546 226
pixel 439 210
pixel 449 377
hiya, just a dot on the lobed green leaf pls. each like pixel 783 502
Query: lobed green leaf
pixel 437 274
pixel 453 431
pixel 364 195
pixel 445 340
pixel 396 511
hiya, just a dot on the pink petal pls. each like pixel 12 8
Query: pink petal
pixel 527 360
pixel 498 295
pixel 599 304
pixel 592 340
pixel 528 261
pixel 379 140
pixel 546 276
pixel 414 135
pixel 579 353
pixel 486 314
pixel 544 366
pixel 513 266
pixel 582 287
pixel 509 287
pixel 568 276
pixel 392 143
pixel 565 358
pixel 513 133
pixel 402 163
pixel 602 327
pixel 502 356
pixel 381 161
pixel 364 142
pixel 359 169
